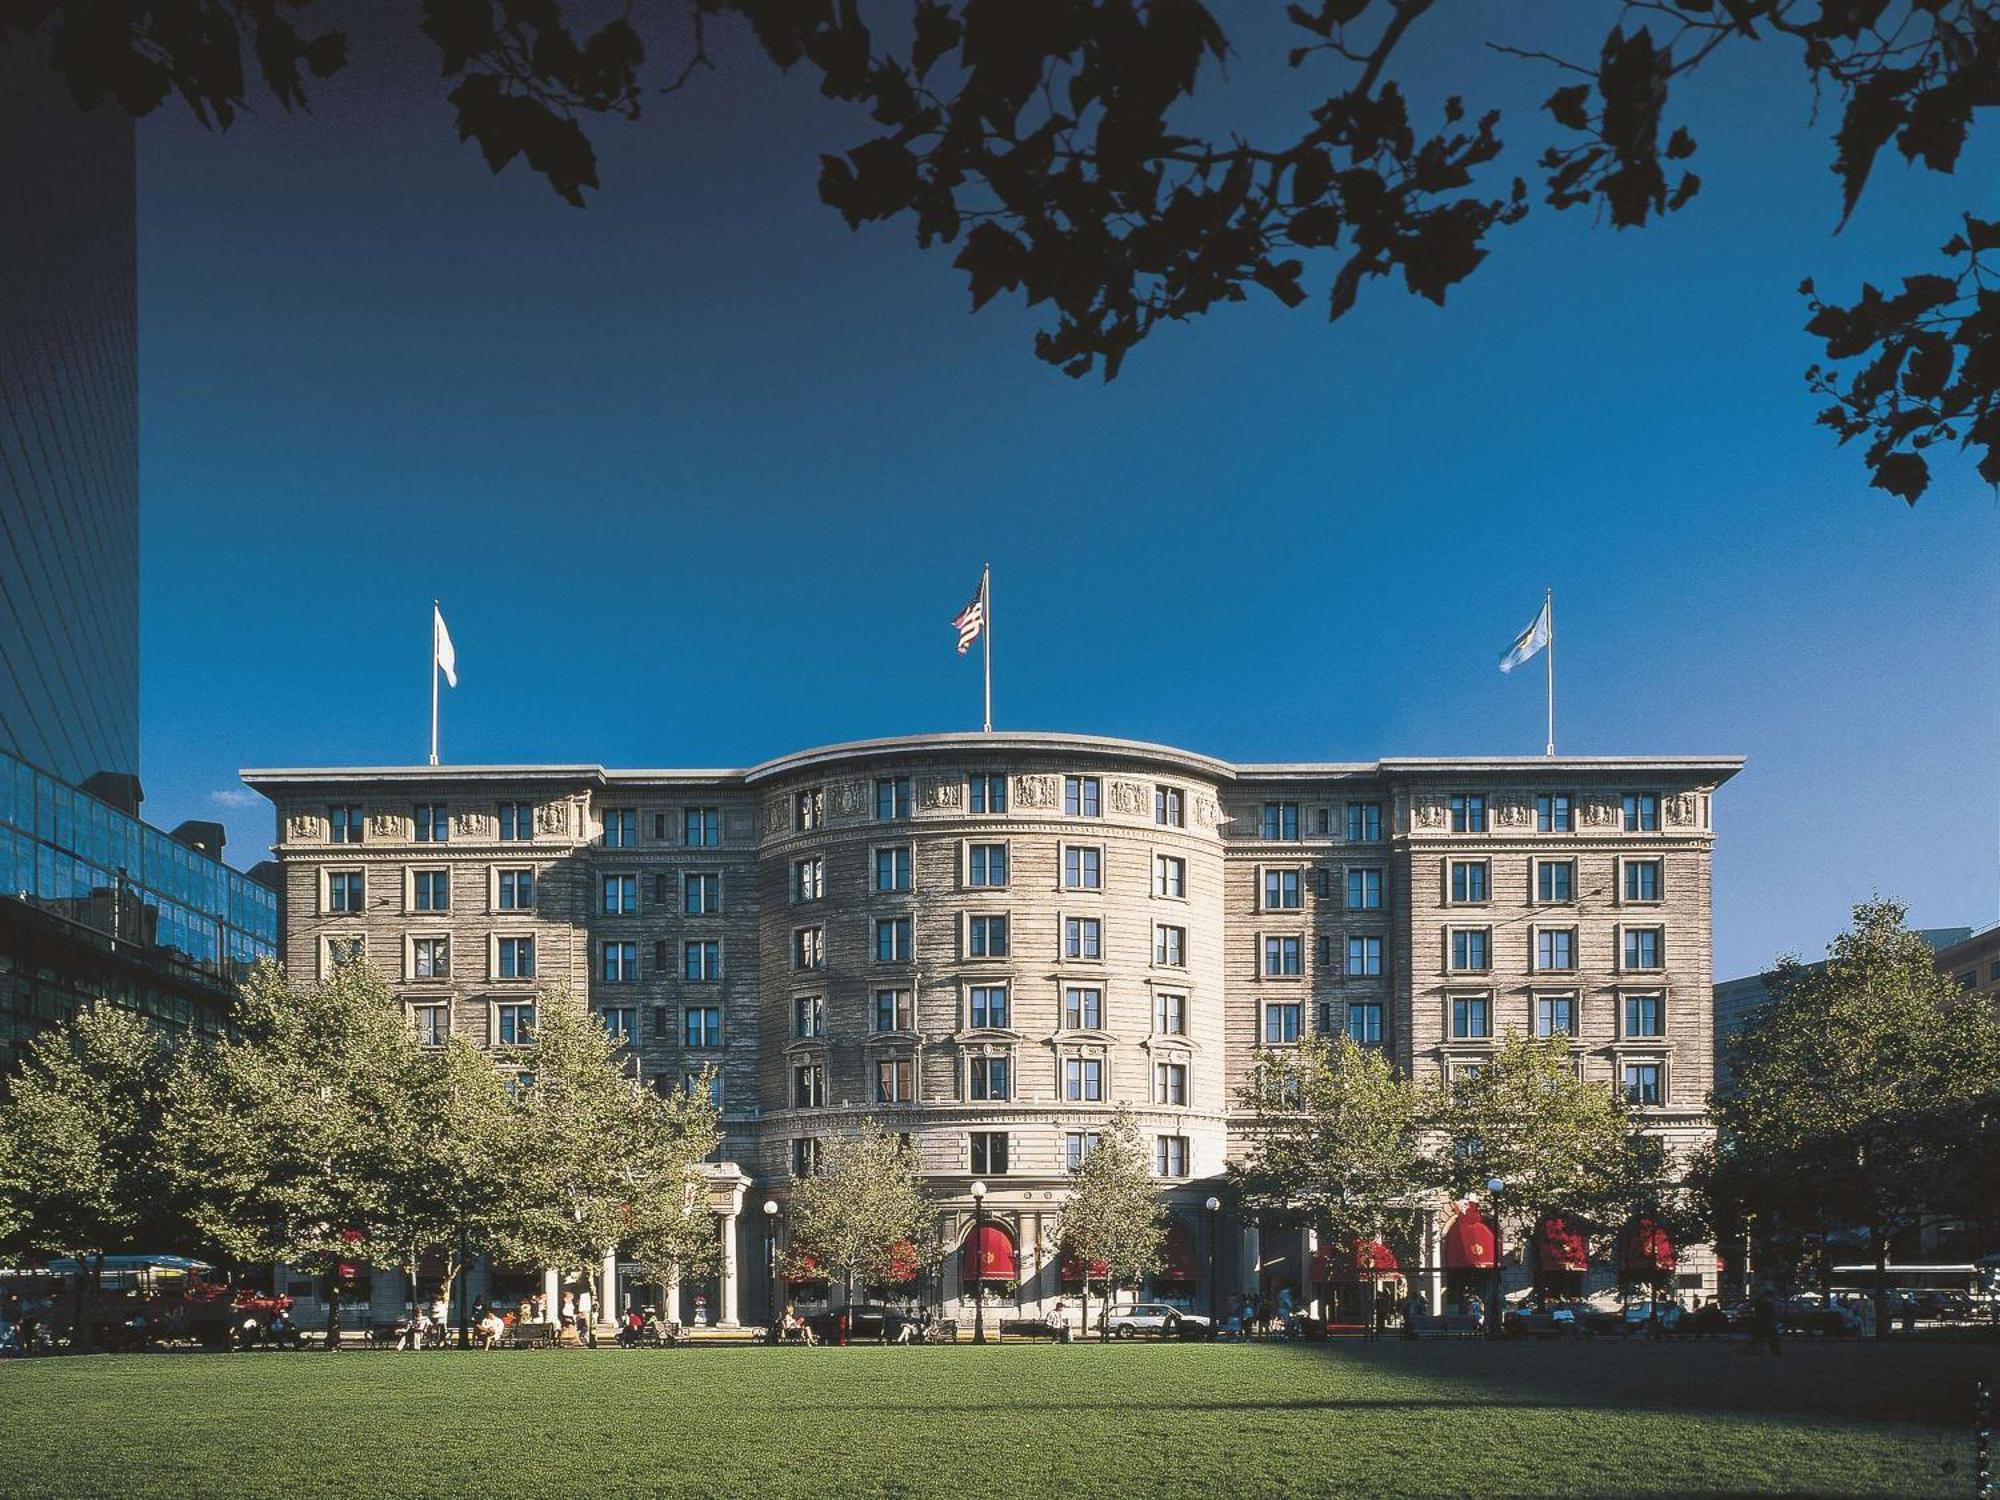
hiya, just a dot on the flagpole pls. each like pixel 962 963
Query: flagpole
pixel 986 610
pixel 435 610
pixel 1549 604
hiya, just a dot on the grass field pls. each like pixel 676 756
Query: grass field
pixel 1179 1419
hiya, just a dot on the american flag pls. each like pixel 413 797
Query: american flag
pixel 971 620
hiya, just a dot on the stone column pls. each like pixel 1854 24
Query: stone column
pixel 1308 1292
pixel 727 1293
pixel 552 1294
pixel 1253 1258
pixel 607 1301
pixel 672 1311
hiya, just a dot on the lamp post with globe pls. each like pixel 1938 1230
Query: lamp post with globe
pixel 1214 1207
pixel 979 1262
pixel 1494 1187
pixel 771 1264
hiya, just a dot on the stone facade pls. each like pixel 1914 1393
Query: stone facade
pixel 1133 923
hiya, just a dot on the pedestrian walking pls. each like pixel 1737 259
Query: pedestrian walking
pixel 568 1313
pixel 1764 1323
pixel 586 1322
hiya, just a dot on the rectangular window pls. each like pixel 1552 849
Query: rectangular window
pixel 892 940
pixel 892 1080
pixel 1555 1015
pixel 1083 869
pixel 1169 876
pixel 1280 820
pixel 430 958
pixel 1169 808
pixel 895 1010
pixel 986 1078
pixel 701 827
pixel 618 895
pixel 987 1007
pixel 1325 957
pixel 621 827
pixel 1642 880
pixel 1555 880
pixel 1553 813
pixel 986 865
pixel 1170 1083
pixel 1282 959
pixel 431 890
pixel 346 891
pixel 805 1156
pixel 701 960
pixel 1468 881
pixel 344 824
pixel 809 1016
pixel 808 947
pixel 1469 949
pixel 1364 957
pixel 1364 890
pixel 1078 1144
pixel 892 868
pixel 1471 1018
pixel 1281 1023
pixel 517 822
pixel 701 893
pixel 892 798
pixel 659 827
pixel 1083 1008
pixel 1170 1156
pixel 1364 1022
pixel 517 890
pixel 1170 947
pixel 1169 1015
pixel 1364 822
pixel 618 963
pixel 517 958
pixel 1643 948
pixel 987 794
pixel 808 1086
pixel 1080 796
pixel 1468 813
pixel 701 1026
pixel 1083 1079
pixel 989 1153
pixel 1282 891
pixel 1644 1016
pixel 516 1025
pixel 808 878
pixel 433 823
pixel 1555 949
pixel 808 809
pixel 620 1023
pixel 1642 1083
pixel 1083 937
pixel 433 1023
pixel 1642 812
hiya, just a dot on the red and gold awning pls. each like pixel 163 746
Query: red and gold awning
pixel 1558 1247
pixel 988 1255
pixel 1368 1257
pixel 1468 1242
pixel 1645 1249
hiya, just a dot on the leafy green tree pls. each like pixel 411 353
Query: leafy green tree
pixel 1051 143
pixel 603 1158
pixel 1337 1136
pixel 82 1170
pixel 292 1140
pixel 1113 1217
pixel 1862 1093
pixel 863 1205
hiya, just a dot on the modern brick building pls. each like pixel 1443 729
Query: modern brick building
pixel 992 941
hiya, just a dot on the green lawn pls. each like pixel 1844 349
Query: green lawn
pixel 1127 1420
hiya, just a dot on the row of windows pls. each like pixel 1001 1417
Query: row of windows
pixel 986 866
pixel 990 1007
pixel 1554 881
pixel 1556 950
pixel 1641 1016
pixel 989 1079
pixel 1642 1081
pixel 988 1154
pixel 986 794
pixel 701 827
pixel 1362 822
pixel 514 956
pixel 986 935
pixel 1555 812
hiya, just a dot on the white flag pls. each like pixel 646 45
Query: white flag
pixel 441 647
pixel 1531 640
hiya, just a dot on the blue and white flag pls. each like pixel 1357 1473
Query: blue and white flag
pixel 1530 641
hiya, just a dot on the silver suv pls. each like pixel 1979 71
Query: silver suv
pixel 1128 1319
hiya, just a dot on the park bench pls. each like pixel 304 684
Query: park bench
pixel 530 1336
pixel 1027 1328
pixel 381 1335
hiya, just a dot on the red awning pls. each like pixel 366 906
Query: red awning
pixel 1369 1255
pixel 904 1263
pixel 1468 1242
pixel 1559 1247
pixel 1646 1249
pixel 988 1255
pixel 1177 1257
pixel 1072 1269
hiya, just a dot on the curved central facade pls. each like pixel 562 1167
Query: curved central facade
pixel 993 942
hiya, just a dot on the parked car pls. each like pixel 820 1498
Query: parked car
pixel 1706 1321
pixel 1559 1320
pixel 1817 1319
pixel 1130 1319
pixel 1639 1317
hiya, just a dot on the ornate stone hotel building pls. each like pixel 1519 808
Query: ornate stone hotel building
pixel 992 941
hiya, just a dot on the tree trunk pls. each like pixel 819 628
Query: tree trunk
pixel 1878 1242
pixel 1086 1305
pixel 82 1331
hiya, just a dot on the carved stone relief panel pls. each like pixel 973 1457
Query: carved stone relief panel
pixel 1129 798
pixel 1036 792
pixel 1681 809
pixel 1207 811
pixel 1512 810
pixel 739 825
pixel 469 825
pixel 777 816
pixel 385 825
pixel 848 799
pixel 552 817
pixel 940 793
pixel 302 826
pixel 1429 812
pixel 1598 812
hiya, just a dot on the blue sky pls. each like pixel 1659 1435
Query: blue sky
pixel 701 478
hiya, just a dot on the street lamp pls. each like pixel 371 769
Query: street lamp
pixel 1214 1207
pixel 979 1262
pixel 1494 1187
pixel 771 1263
